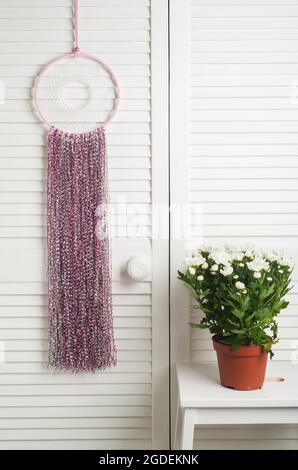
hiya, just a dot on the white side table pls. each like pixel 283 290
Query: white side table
pixel 203 401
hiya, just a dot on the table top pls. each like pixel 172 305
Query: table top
pixel 199 387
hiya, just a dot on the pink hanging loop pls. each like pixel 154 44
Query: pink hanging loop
pixel 76 52
pixel 76 48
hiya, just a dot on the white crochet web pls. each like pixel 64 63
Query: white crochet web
pixel 75 94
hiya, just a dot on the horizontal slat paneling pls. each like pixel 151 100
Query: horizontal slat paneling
pixel 77 444
pixel 40 434
pixel 217 92
pixel 105 104
pixel 127 82
pixel 70 423
pixel 79 389
pixel 87 3
pixel 115 151
pixel 249 207
pixel 40 322
pixel 37 59
pixel 38 198
pixel 127 350
pixel 26 259
pixel 39 288
pixel 114 128
pixel 244 11
pixel 243 156
pixel 53 379
pixel 75 93
pixel 240 34
pixel 38 368
pixel 94 116
pixel 104 405
pixel 236 162
pixel 55 48
pixel 73 423
pixel 32 70
pixel 41 408
pixel 37 310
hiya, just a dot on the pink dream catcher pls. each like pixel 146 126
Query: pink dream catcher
pixel 79 264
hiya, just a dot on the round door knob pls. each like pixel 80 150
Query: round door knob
pixel 138 267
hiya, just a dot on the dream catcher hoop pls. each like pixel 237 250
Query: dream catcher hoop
pixel 79 262
pixel 61 82
pixel 48 87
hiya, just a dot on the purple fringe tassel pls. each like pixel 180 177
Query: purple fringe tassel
pixel 79 269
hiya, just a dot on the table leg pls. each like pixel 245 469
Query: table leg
pixel 187 430
pixel 178 428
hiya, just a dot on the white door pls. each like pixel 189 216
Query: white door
pixel 127 406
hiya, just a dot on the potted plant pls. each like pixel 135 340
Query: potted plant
pixel 240 292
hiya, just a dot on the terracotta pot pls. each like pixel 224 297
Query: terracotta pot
pixel 241 369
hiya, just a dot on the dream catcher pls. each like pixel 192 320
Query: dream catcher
pixel 66 92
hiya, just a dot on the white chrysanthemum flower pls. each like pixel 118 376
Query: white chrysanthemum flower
pixel 241 265
pixel 237 256
pixel 220 257
pixel 227 270
pixel 279 256
pixel 198 260
pixel 244 291
pixel 249 250
pixel 257 275
pixel 200 278
pixel 239 285
pixel 269 255
pixel 258 264
pixel 188 261
pixel 233 248
pixel 191 270
pixel 214 268
pixel 206 248
pixel 284 261
pixel 236 276
pixel 249 247
pixel 269 279
pixel 204 266
pixel 280 271
pixel 196 253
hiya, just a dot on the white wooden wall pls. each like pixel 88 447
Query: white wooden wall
pixel 243 153
pixel 39 408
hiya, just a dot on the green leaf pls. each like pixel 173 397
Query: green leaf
pixel 238 313
pixel 201 326
pixel 190 288
pixel 232 322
